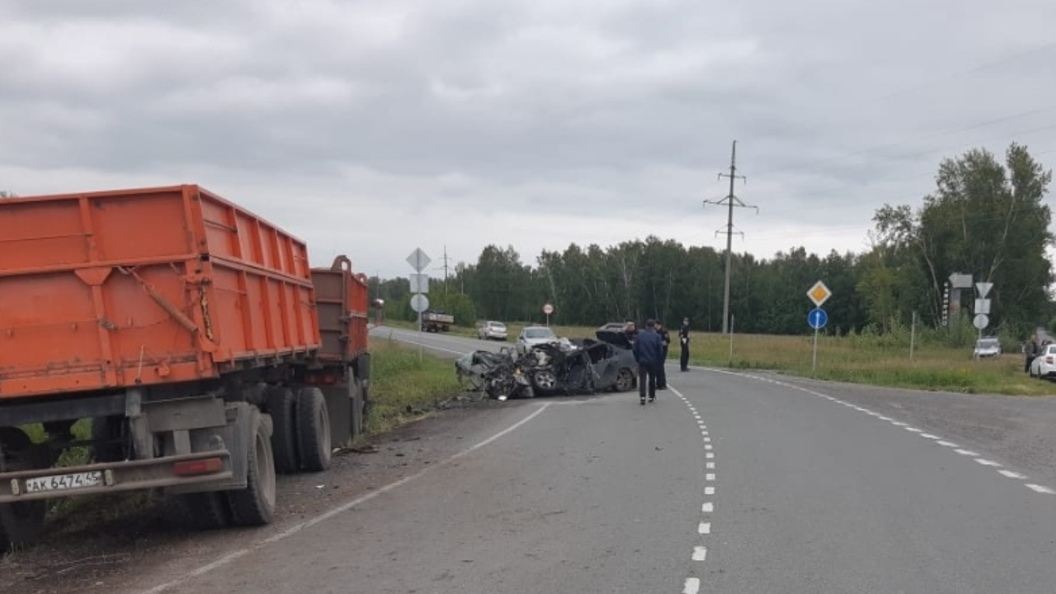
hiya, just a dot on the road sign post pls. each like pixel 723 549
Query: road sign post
pixel 419 285
pixel 548 309
pixel 982 307
pixel 817 318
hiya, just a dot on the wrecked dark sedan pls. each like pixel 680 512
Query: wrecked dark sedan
pixel 562 367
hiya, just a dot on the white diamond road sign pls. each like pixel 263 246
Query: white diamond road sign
pixel 419 283
pixel 984 288
pixel 418 260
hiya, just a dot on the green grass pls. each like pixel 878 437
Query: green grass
pixel 870 360
pixel 864 359
pixel 404 386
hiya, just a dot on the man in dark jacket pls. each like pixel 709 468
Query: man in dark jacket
pixel 648 352
pixel 1031 351
pixel 683 341
pixel 665 340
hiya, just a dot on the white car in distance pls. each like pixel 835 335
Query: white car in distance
pixel 492 330
pixel 533 335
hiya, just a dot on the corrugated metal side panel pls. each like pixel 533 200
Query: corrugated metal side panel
pixel 341 300
pixel 81 277
pixel 160 284
pixel 264 297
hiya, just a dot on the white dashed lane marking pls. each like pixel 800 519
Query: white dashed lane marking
pixel 935 438
pixel 700 552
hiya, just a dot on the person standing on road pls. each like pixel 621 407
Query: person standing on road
pixel 630 330
pixel 1031 351
pixel 665 340
pixel 683 341
pixel 648 353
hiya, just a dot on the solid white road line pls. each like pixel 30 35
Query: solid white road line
pixel 339 509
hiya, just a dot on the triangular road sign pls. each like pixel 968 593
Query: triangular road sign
pixel 983 288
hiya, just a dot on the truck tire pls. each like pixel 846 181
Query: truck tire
pixel 21 523
pixel 282 406
pixel 201 511
pixel 108 439
pixel 255 504
pixel 313 429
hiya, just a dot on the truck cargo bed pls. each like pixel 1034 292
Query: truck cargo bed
pixel 106 290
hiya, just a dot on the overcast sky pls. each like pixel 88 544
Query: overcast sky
pixel 374 127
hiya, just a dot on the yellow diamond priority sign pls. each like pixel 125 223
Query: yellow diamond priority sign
pixel 819 293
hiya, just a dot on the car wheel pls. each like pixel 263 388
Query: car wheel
pixel 624 380
pixel 545 380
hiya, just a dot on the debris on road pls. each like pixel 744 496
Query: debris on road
pixel 566 366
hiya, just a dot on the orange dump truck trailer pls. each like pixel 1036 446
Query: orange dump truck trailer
pixel 194 335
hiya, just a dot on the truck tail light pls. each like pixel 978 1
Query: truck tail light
pixel 198 467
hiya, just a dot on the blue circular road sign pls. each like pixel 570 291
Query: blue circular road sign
pixel 817 318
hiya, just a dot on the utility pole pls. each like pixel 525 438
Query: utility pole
pixel 445 268
pixel 730 201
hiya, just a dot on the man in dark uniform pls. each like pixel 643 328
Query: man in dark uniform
pixel 661 372
pixel 683 341
pixel 648 351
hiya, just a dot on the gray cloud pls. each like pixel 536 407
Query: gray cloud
pixel 536 123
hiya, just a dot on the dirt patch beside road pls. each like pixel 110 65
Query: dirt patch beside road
pixel 141 545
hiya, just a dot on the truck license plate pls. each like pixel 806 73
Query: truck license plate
pixel 63 482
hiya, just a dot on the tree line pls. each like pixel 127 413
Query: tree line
pixel 986 217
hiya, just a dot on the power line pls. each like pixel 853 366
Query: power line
pixel 948 76
pixel 730 201
pixel 939 134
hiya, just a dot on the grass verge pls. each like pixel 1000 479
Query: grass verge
pixel 872 360
pixel 403 387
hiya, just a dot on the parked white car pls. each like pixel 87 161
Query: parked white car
pixel 1044 365
pixel 987 347
pixel 533 335
pixel 491 330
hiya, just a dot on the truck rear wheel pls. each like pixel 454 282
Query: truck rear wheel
pixel 255 504
pixel 282 406
pixel 313 429
pixel 21 523
pixel 203 511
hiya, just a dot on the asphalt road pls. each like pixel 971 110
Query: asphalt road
pixel 728 483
